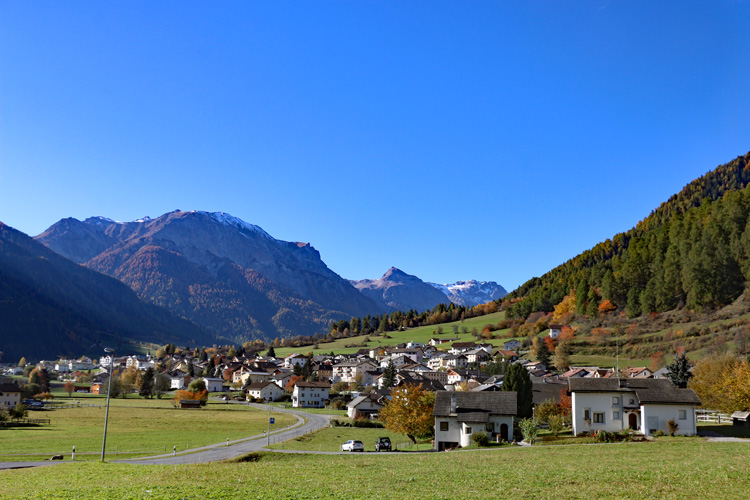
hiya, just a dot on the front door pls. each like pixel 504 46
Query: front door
pixel 504 432
pixel 633 421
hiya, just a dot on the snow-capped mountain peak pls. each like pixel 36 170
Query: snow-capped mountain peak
pixel 231 220
pixel 471 292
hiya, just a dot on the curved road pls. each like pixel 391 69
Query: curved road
pixel 221 451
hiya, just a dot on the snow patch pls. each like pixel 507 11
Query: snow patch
pixel 230 220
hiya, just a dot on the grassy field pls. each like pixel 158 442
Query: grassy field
pixel 135 425
pixel 331 439
pixel 676 468
pixel 420 334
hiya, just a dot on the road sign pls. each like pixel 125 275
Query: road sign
pixel 273 420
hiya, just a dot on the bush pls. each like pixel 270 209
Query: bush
pixel 480 438
pixel 529 429
pixel 556 424
pixel 672 426
pixel 659 433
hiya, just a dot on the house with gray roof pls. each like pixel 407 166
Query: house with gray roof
pixel 458 415
pixel 642 404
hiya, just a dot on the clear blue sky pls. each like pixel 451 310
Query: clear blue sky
pixel 454 140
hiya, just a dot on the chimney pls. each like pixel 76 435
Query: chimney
pixel 453 403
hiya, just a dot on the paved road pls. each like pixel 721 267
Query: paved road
pixel 218 452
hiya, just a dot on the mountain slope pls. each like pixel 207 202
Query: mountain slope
pixel 399 291
pixel 228 276
pixel 471 293
pixel 52 306
pixel 693 251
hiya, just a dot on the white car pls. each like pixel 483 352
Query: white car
pixel 352 445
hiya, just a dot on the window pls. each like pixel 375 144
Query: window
pixel 598 417
pixel 587 414
pixel 632 401
pixel 615 400
pixel 468 430
pixel 490 427
pixel 682 415
pixel 615 415
pixel 444 426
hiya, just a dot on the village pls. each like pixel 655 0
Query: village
pixel 466 378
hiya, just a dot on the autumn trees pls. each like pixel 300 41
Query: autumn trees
pixel 409 411
pixel 722 381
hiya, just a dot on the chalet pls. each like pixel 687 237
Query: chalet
pixel 267 391
pixel 512 345
pixel 310 394
pixel 505 355
pixel 10 395
pixel 458 415
pixel 642 404
pixel 364 406
pixel 555 331
pixel 477 356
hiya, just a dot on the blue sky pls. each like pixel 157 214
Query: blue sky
pixel 454 140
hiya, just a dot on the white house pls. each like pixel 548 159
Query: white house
pixel 348 372
pixel 179 380
pixel 645 405
pixel 455 361
pixel 555 331
pixel 267 391
pixel 214 384
pixel 458 415
pixel 293 360
pixel 310 394
pixel 10 395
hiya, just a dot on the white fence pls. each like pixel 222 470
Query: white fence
pixel 713 416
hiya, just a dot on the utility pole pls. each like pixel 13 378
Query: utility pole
pixel 109 351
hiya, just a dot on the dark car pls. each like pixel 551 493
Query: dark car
pixel 383 444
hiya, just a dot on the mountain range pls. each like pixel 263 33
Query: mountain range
pixel 229 277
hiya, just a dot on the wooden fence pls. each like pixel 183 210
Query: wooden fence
pixel 713 416
pixel 20 422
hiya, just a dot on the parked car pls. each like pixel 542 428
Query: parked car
pixel 383 444
pixel 353 445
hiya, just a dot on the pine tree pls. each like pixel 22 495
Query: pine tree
pixel 389 375
pixel 271 352
pixel 678 371
pixel 517 380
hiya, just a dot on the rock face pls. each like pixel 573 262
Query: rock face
pixel 224 274
pixel 472 292
pixel 399 291
pixel 51 306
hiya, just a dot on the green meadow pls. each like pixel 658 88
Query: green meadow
pixel 421 334
pixel 136 427
pixel 666 469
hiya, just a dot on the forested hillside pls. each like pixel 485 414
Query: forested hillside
pixel 693 251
